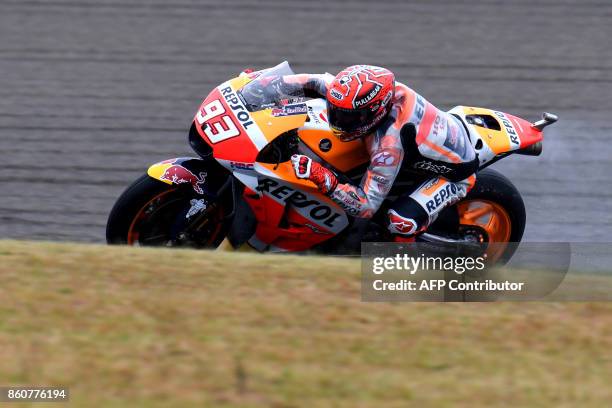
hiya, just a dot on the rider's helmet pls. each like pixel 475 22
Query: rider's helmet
pixel 358 100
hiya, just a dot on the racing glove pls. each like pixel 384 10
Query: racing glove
pixel 306 168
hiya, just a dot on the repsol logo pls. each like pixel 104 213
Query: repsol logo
pixel 514 138
pixel 441 197
pixel 237 107
pixel 317 210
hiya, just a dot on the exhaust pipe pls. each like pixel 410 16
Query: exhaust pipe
pixel 533 150
pixel 536 148
pixel 547 119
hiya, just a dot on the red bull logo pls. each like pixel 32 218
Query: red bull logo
pixel 178 174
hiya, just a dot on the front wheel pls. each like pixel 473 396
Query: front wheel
pixel 153 213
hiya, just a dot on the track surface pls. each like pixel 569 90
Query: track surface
pixel 92 92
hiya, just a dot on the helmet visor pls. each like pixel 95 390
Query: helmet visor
pixel 350 120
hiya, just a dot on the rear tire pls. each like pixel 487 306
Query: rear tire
pixel 492 212
pixel 492 186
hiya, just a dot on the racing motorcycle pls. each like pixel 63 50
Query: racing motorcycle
pixel 242 190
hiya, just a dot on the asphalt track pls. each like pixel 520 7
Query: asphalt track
pixel 91 92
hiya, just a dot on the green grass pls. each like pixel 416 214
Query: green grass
pixel 129 327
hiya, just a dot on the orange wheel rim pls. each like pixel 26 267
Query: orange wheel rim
pixel 492 218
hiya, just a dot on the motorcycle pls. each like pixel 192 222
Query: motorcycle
pixel 242 189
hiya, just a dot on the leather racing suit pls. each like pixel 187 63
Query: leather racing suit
pixel 436 143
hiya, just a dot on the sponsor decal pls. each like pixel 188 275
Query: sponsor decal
pixel 438 126
pixel 419 109
pixel 197 206
pixel 325 145
pixel 313 116
pixel 178 174
pixel 349 204
pixel 316 210
pixel 380 180
pixel 363 101
pixel 431 186
pixel 328 182
pixel 237 107
pixel 216 124
pixel 290 101
pixel 401 225
pixel 434 168
pixel 242 166
pixel 447 195
pixel 336 94
pixel 384 159
pixel 288 110
pixel 387 98
pixel 514 137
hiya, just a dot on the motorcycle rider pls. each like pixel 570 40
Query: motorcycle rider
pixel 365 101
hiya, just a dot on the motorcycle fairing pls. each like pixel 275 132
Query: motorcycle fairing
pixel 279 225
pixel 291 213
pixel 317 135
pixel 181 170
pixel 234 133
pixel 302 196
pixel 227 126
pixel 494 132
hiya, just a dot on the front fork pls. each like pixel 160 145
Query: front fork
pixel 204 181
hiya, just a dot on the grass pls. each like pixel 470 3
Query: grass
pixel 128 327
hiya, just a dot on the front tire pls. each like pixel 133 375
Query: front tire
pixel 152 213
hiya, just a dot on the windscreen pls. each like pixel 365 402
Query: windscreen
pixel 269 90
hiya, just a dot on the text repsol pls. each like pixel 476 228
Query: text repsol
pixel 449 192
pixel 236 106
pixel 509 128
pixel 319 211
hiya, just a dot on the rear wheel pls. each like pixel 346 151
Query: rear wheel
pixel 493 212
pixel 153 213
